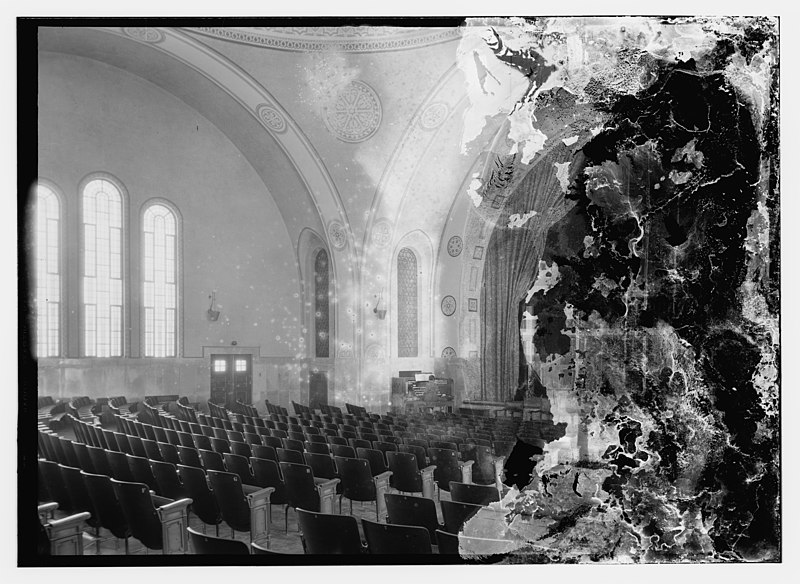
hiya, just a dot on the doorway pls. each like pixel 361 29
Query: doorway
pixel 317 390
pixel 231 379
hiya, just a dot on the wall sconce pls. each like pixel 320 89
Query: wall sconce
pixel 212 314
pixel 379 312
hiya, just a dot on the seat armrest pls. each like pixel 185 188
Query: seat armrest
pixel 426 474
pixel 66 535
pixel 327 493
pixel 258 496
pixel 174 521
pixel 69 521
pixel 499 463
pixel 466 471
pixel 174 506
pixel 259 503
pixel 47 508
pixel 381 488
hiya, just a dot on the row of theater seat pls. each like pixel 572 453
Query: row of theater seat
pixel 315 450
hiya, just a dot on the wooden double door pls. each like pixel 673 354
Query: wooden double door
pixel 231 379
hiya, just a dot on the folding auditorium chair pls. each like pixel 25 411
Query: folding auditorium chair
pixel 266 452
pixel 449 468
pixel 152 449
pixel 455 514
pixel 239 465
pixel 409 510
pixel 290 456
pixel 154 526
pixel 143 473
pixel 417 451
pixel 241 449
pixel 318 448
pixel 242 509
pixel 377 462
pixel 343 450
pixel 210 545
pixel 387 539
pixel 475 494
pixel 168 481
pixel 268 474
pixel 204 504
pixel 322 533
pixel 189 456
pixel 120 469
pixel 359 483
pixel 169 453
pixel 212 460
pixel 106 507
pixel 303 492
pixel 407 477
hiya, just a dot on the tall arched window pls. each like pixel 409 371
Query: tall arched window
pixel 48 272
pixel 102 269
pixel 407 304
pixel 321 304
pixel 160 298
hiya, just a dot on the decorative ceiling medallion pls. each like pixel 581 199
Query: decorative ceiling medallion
pixel 375 354
pixel 144 34
pixel 355 114
pixel 271 118
pixel 455 245
pixel 449 353
pixel 337 235
pixel 354 39
pixel 382 233
pixel 448 305
pixel 433 115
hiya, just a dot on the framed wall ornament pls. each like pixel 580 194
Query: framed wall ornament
pixel 448 305
pixel 455 245
pixel 337 234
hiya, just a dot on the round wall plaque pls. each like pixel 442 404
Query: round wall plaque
pixel 449 353
pixel 448 305
pixel 455 245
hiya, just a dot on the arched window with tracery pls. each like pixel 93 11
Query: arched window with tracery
pixel 48 272
pixel 160 275
pixel 322 304
pixel 407 304
pixel 102 269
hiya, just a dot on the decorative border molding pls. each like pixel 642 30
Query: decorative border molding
pixel 145 34
pixel 382 233
pixel 355 114
pixel 351 39
pixel 271 118
pixel 449 353
pixel 337 235
pixel 434 115
pixel 449 305
pixel 455 245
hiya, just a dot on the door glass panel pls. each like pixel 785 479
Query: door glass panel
pixel 241 365
pixel 219 365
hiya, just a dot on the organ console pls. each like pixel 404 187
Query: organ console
pixel 414 391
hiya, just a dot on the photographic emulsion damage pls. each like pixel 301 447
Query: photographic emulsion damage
pixel 483 290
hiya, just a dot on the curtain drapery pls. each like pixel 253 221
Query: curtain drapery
pixel 512 259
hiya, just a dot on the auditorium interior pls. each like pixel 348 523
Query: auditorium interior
pixel 284 286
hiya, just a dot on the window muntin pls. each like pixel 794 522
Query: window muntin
pixel 102 269
pixel 219 365
pixel 407 304
pixel 240 365
pixel 48 272
pixel 159 226
pixel 321 304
